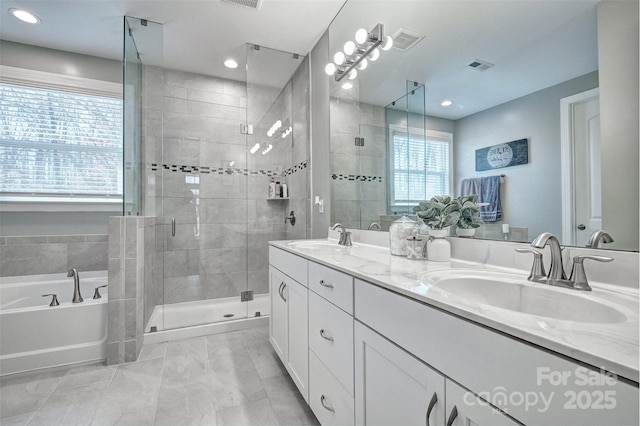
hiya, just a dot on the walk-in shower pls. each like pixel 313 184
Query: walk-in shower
pixel 208 160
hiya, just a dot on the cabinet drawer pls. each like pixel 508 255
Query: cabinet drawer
pixel 331 338
pixel 330 402
pixel 292 265
pixel 334 286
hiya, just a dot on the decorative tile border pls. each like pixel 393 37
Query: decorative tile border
pixel 228 170
pixel 357 177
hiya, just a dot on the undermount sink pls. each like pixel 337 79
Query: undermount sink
pixel 514 293
pixel 314 244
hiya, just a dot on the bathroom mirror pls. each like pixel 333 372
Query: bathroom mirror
pixel 507 66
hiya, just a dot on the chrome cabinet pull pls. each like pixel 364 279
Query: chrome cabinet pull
pixel 432 403
pixel 326 407
pixel 323 284
pixel 452 416
pixel 324 336
pixel 283 286
pixel 173 226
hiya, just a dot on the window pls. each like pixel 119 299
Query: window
pixel 421 168
pixel 59 136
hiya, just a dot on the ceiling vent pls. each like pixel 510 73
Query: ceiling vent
pixel 405 39
pixel 480 65
pixel 248 4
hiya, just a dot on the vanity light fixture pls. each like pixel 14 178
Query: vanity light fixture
pixel 254 148
pixel 274 128
pixel 356 55
pixel 286 132
pixel 446 103
pixel 25 16
pixel 230 63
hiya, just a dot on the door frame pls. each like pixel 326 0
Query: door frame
pixel 567 162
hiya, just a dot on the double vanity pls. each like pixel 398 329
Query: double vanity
pixel 371 338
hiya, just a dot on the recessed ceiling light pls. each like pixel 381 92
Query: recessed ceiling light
pixel 230 63
pixel 25 16
pixel 446 103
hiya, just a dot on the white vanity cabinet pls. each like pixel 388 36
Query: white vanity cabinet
pixel 392 386
pixel 288 325
pixel 331 391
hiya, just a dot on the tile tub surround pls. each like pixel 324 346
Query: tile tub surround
pixel 50 254
pixel 132 285
pixel 231 378
pixel 610 346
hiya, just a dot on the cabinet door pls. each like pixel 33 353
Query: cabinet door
pixel 278 317
pixel 392 386
pixel 297 334
pixel 464 408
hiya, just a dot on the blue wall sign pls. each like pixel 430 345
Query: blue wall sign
pixel 503 155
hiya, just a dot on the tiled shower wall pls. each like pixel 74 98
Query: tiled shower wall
pixel 218 199
pixel 358 173
pixel 131 271
pixel 48 254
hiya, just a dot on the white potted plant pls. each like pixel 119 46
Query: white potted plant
pixel 469 218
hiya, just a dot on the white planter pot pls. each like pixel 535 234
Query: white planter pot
pixel 467 233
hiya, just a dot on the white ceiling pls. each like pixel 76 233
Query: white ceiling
pixel 533 43
pixel 197 34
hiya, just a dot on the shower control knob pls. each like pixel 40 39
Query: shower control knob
pixel 582 227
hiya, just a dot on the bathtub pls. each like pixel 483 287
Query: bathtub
pixel 34 335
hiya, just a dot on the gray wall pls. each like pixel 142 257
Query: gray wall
pixel 36 222
pixel 618 64
pixel 320 127
pixel 531 194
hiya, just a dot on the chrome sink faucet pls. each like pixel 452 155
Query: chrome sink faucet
pixel 77 297
pixel 597 237
pixel 556 271
pixel 345 236
pixel 578 278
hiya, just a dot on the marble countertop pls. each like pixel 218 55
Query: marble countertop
pixel 611 346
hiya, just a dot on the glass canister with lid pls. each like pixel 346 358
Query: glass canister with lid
pixel 399 231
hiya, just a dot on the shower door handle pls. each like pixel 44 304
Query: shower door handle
pixel 173 226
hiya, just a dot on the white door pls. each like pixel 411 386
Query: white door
pixel 464 408
pixel 392 386
pixel 278 317
pixel 581 171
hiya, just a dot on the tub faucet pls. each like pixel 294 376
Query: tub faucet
pixel 375 226
pixel 597 237
pixel 77 297
pixel 556 272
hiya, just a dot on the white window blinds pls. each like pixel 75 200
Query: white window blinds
pixel 59 142
pixel 421 168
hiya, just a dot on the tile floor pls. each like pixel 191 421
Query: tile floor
pixel 222 379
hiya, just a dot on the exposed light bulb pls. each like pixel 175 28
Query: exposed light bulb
pixel 363 64
pixel 278 124
pixel 270 133
pixel 353 74
pixel 255 148
pixel 361 36
pixel 339 58
pixel 24 16
pixel 330 69
pixel 230 63
pixel 388 43
pixel 347 86
pixel 374 55
pixel 349 47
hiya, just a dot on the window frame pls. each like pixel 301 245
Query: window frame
pixel 18 202
pixel 433 135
